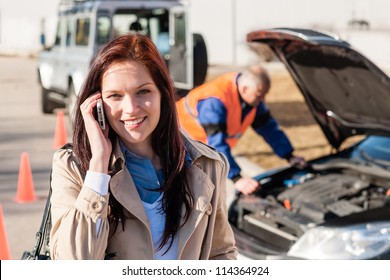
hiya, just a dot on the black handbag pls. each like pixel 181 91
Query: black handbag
pixel 41 249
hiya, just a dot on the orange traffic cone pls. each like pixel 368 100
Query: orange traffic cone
pixel 4 249
pixel 60 135
pixel 25 192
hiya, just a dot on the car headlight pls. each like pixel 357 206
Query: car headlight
pixel 362 241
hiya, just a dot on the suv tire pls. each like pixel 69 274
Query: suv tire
pixel 201 61
pixel 47 105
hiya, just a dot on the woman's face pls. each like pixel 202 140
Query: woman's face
pixel 132 104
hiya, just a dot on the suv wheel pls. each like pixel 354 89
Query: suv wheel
pixel 200 59
pixel 46 103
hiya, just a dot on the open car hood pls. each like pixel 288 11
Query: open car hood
pixel 347 93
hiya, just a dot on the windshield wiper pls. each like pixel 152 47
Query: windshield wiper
pixel 382 163
pixel 359 166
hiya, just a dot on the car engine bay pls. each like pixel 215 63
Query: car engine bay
pixel 297 200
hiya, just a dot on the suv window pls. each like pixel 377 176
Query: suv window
pixel 82 31
pixel 69 32
pixel 180 30
pixel 154 23
pixel 103 29
pixel 122 23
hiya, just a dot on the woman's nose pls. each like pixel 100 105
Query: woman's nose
pixel 130 104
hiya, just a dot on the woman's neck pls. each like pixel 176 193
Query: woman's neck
pixel 145 151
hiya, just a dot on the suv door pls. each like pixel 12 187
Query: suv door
pixel 53 57
pixel 63 62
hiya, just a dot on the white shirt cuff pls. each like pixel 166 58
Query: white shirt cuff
pixel 97 182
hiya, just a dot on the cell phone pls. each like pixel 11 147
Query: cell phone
pixel 100 114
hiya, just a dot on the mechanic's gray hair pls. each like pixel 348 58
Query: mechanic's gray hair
pixel 254 75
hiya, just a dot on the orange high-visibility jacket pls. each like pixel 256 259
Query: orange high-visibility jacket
pixel 225 89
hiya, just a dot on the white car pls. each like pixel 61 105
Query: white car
pixel 85 26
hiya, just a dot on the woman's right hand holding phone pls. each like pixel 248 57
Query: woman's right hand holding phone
pixel 101 145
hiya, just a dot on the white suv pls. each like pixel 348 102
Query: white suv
pixel 85 26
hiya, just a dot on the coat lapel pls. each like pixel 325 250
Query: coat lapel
pixel 123 188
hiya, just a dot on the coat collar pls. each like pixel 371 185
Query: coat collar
pixel 196 149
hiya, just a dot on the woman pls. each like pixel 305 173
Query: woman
pixel 138 189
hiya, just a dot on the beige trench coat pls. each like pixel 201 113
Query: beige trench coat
pixel 76 208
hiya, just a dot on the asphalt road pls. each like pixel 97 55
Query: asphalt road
pixel 23 129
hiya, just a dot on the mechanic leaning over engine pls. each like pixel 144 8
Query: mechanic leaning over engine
pixel 219 111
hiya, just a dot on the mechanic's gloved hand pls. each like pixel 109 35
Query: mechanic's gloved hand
pixel 246 185
pixel 298 162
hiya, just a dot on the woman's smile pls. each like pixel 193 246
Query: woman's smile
pixel 134 122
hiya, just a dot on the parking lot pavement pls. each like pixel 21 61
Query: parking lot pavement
pixel 25 129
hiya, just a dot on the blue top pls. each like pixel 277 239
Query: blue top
pixel 213 113
pixel 146 179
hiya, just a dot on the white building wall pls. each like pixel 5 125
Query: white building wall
pixel 21 24
pixel 225 23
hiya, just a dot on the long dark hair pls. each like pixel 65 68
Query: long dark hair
pixel 166 139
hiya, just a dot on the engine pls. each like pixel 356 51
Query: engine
pixel 328 192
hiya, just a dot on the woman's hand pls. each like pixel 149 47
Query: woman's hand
pixel 101 146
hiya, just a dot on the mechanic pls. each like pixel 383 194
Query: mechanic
pixel 219 112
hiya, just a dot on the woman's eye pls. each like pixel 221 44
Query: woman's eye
pixel 143 91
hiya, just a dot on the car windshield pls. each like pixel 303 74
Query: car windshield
pixel 154 23
pixel 374 149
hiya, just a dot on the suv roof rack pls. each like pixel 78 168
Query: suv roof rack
pixel 66 5
pixel 71 2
